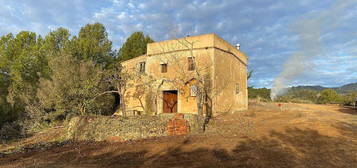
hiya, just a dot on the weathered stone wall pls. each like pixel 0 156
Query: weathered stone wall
pixel 223 64
pixel 101 128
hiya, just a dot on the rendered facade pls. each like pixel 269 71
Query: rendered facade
pixel 168 77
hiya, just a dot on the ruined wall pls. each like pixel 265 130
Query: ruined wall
pixel 100 128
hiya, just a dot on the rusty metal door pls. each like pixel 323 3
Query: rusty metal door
pixel 170 101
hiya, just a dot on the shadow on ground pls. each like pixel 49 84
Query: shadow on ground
pixel 292 148
pixel 348 129
pixel 12 132
pixel 348 110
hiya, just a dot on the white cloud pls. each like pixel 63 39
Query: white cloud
pixel 142 6
pixel 122 16
pixel 261 27
pixel 130 5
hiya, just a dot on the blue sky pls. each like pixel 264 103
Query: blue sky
pixel 270 31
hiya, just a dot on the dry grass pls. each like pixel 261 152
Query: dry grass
pixel 292 135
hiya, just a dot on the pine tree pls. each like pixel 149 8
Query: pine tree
pixel 92 44
pixel 134 46
pixel 22 66
pixel 56 41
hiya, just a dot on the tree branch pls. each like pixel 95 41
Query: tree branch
pixel 106 92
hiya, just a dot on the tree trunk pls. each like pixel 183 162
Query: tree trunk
pixel 82 110
pixel 199 101
pixel 122 99
pixel 142 105
pixel 123 105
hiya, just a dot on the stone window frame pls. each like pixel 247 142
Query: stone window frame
pixel 142 67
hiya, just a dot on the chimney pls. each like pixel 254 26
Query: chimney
pixel 238 46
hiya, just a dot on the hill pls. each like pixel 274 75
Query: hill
pixel 347 88
pixel 342 89
pixel 316 88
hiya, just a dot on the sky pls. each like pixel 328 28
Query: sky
pixel 270 32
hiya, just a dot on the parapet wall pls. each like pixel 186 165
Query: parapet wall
pixel 101 128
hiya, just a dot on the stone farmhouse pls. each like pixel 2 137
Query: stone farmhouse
pixel 169 77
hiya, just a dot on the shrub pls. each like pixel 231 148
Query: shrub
pixel 329 96
pixel 349 98
pixel 299 96
pixel 261 93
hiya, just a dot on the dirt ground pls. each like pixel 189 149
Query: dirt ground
pixel 266 135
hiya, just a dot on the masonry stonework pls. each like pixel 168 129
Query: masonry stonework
pixel 222 66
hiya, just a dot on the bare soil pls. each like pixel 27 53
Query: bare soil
pixel 266 135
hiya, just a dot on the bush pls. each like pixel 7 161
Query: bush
pixel 349 98
pixel 329 96
pixel 261 93
pixel 10 131
pixel 72 88
pixel 299 96
pixel 289 99
pixel 6 114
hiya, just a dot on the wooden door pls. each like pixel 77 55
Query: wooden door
pixel 170 101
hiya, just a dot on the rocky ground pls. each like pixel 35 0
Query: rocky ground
pixel 266 135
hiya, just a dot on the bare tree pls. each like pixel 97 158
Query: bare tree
pixel 142 84
pixel 197 70
pixel 119 78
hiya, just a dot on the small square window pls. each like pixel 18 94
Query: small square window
pixel 191 64
pixel 163 68
pixel 142 67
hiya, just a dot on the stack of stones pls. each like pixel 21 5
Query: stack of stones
pixel 178 125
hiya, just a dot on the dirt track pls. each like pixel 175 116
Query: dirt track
pixel 292 135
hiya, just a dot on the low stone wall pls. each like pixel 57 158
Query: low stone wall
pixel 101 128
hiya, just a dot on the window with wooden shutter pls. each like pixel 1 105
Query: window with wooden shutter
pixel 163 68
pixel 237 88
